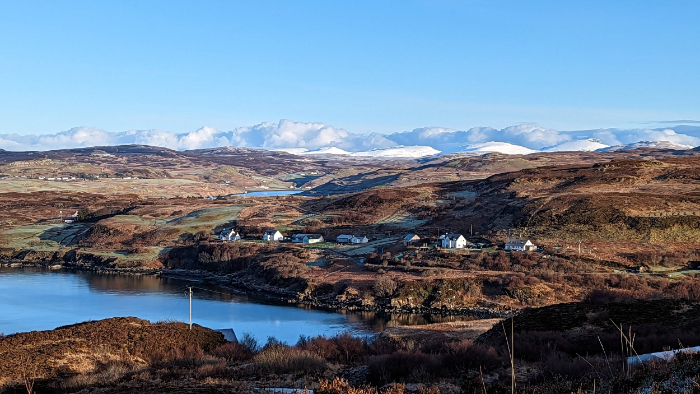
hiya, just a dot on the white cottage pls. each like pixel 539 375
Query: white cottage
pixel 312 239
pixel 229 234
pixel 359 240
pixel 272 235
pixel 307 238
pixel 520 245
pixel 454 241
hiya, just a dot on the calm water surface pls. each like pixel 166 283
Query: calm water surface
pixel 271 193
pixel 40 299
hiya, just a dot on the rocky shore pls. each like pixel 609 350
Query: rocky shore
pixel 249 286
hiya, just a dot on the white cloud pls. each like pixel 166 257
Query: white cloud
pixel 287 134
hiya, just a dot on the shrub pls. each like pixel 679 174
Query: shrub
pixel 464 355
pixel 233 351
pixel 402 366
pixel 341 386
pixel 280 359
pixel 384 287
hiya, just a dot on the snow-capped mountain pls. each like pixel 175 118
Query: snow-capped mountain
pixel 396 151
pixel 314 138
pixel 332 150
pixel 588 145
pixel 646 144
pixel 500 147
pixel 399 151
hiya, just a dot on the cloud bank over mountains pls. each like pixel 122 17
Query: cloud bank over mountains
pixel 287 134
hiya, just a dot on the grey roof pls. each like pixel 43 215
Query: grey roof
pixel 271 232
pixel 410 237
pixel 453 236
pixel 311 236
pixel 517 242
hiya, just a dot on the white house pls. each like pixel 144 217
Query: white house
pixel 410 238
pixel 312 238
pixel 454 241
pixel 229 234
pixel 343 238
pixel 359 240
pixel 307 238
pixel 272 235
pixel 520 244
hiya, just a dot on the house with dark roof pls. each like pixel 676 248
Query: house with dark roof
pixel 410 238
pixel 343 238
pixel 518 244
pixel 307 238
pixel 453 241
pixel 272 235
pixel 229 234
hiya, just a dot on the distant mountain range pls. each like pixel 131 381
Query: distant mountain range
pixel 320 139
pixel 587 145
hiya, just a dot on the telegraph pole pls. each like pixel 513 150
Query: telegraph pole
pixel 579 247
pixel 190 288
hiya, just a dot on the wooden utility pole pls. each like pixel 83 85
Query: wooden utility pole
pixel 190 288
pixel 579 247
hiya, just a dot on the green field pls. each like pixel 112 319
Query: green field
pixel 41 235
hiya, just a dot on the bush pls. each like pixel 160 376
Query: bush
pixel 384 287
pixel 280 359
pixel 403 366
pixel 341 386
pixel 233 351
pixel 464 355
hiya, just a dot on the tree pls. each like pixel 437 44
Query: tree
pixel 84 214
pixel 384 287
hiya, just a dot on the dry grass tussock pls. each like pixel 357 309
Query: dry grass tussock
pixel 279 359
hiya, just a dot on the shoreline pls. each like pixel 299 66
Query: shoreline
pixel 267 292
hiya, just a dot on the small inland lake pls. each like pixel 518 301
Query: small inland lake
pixel 34 298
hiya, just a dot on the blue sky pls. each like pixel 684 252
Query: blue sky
pixel 365 66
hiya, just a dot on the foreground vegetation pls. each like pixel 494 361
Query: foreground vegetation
pixel 564 348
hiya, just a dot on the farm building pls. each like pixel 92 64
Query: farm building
pixel 343 238
pixel 307 238
pixel 229 234
pixel 359 240
pixel 520 244
pixel 272 235
pixel 453 241
pixel 410 238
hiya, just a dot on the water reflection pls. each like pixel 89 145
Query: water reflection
pixel 270 193
pixel 38 299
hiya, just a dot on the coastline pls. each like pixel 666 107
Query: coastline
pixel 267 292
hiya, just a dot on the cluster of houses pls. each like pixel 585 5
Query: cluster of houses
pixel 351 239
pixel 229 234
pixel 457 241
pixel 446 241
